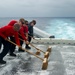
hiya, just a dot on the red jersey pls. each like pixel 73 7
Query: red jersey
pixel 25 29
pixel 21 31
pixel 7 31
pixel 12 22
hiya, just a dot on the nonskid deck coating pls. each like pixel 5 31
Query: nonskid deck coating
pixel 61 62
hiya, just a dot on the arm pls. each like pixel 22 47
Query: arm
pixel 26 35
pixel 30 31
pixel 17 38
pixel 26 31
pixel 22 34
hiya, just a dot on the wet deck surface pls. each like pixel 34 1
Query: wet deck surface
pixel 61 62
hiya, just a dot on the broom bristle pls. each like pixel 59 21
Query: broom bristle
pixel 46 55
pixel 49 49
pixel 38 52
pixel 45 64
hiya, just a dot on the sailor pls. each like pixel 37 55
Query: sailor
pixel 21 31
pixel 6 32
pixel 26 22
pixel 30 32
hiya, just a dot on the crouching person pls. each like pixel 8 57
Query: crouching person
pixel 5 32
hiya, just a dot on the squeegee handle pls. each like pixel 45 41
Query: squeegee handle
pixel 25 50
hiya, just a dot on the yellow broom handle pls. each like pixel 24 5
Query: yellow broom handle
pixel 33 46
pixel 25 50
pixel 36 48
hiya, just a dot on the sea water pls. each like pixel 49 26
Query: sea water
pixel 61 60
pixel 61 27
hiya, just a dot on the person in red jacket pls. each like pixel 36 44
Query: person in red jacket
pixel 12 47
pixel 5 32
pixel 23 32
pixel 20 22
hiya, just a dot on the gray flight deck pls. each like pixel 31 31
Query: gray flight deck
pixel 60 62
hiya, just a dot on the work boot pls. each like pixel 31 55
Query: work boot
pixel 12 54
pixel 2 62
pixel 27 47
pixel 21 50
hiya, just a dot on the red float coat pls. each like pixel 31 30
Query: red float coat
pixel 7 31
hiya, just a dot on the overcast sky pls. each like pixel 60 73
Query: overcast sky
pixel 37 8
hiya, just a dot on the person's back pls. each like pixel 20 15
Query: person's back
pixel 20 22
pixel 12 22
pixel 7 31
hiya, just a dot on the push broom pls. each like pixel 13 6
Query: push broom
pixel 46 54
pixel 45 61
pixel 49 49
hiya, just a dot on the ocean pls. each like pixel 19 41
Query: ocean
pixel 62 57
pixel 61 27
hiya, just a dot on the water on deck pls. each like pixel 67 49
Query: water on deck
pixel 60 62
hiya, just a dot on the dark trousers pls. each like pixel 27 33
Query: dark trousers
pixel 29 39
pixel 0 45
pixel 5 50
pixel 12 47
pixel 21 42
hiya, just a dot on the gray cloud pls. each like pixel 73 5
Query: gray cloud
pixel 37 8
